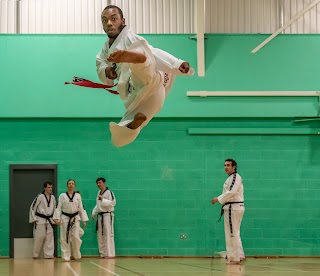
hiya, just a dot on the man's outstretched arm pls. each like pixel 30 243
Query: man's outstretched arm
pixel 168 63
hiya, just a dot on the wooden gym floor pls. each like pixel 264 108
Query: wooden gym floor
pixel 161 267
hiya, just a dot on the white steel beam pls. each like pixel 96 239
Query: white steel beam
pixel 253 93
pixel 298 15
pixel 200 22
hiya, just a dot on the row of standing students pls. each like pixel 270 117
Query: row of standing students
pixel 47 213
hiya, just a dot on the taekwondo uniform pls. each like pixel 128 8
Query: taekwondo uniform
pixel 143 87
pixel 233 209
pixel 105 222
pixel 70 211
pixel 41 211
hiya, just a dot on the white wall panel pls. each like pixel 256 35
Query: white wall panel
pixel 157 16
pixel 83 16
pixel 8 16
pixel 309 23
pixel 60 16
pixel 242 16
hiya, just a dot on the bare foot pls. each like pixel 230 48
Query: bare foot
pixel 138 120
pixel 127 56
pixel 233 263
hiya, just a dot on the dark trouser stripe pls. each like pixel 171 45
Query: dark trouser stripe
pixel 230 222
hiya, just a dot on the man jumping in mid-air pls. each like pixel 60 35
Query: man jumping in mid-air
pixel 145 75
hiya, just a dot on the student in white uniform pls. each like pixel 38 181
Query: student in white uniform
pixel 41 212
pixel 68 214
pixel 105 223
pixel 81 233
pixel 145 75
pixel 232 201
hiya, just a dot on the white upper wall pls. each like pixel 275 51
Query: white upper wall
pixel 309 23
pixel 156 16
pixel 242 16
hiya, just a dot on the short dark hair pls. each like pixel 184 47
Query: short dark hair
pixel 233 162
pixel 114 7
pixel 47 183
pixel 71 180
pixel 102 179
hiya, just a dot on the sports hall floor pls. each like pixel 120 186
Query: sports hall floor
pixel 161 267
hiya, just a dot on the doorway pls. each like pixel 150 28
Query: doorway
pixel 26 182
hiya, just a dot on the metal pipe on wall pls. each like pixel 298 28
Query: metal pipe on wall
pixel 18 16
pixel 253 93
pixel 281 13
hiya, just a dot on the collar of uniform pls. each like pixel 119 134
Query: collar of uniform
pixel 45 196
pixel 71 198
pixel 123 33
pixel 101 193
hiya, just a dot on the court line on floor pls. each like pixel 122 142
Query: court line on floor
pixel 129 270
pixel 283 268
pixel 286 261
pixel 197 266
pixel 105 269
pixel 72 270
pixel 210 268
pixel 134 272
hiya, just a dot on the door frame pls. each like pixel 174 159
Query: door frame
pixel 15 167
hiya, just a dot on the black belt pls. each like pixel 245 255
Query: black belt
pixel 222 211
pixel 70 223
pixel 48 218
pixel 102 224
pixel 228 203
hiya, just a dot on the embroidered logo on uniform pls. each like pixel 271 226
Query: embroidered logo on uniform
pixel 166 79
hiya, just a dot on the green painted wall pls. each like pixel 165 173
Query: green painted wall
pixel 33 70
pixel 165 180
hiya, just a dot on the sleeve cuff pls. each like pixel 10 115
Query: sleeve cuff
pixel 102 76
pixel 220 200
